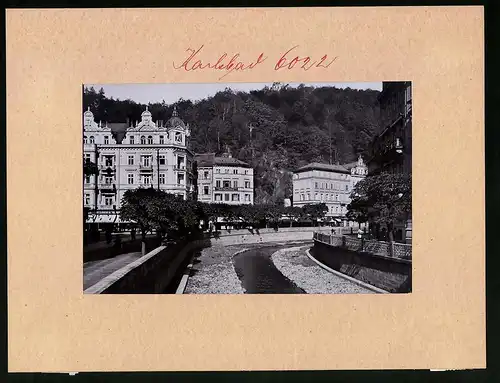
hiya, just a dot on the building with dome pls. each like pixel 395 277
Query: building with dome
pixel 329 184
pixel 151 154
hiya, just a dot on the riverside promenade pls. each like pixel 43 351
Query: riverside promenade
pixel 265 261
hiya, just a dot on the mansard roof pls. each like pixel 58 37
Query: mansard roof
pixel 322 167
pixel 210 160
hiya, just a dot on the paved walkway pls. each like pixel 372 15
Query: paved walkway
pixel 94 271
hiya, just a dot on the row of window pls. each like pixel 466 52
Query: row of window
pixel 321 174
pixel 320 197
pixel 143 139
pixel 145 160
pixel 338 209
pixel 108 199
pixel 149 139
pixel 231 197
pixel 91 139
pixel 235 171
pixel 145 179
pixel 227 184
pixel 359 171
pixel 333 186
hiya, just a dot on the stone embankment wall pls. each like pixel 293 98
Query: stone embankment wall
pixel 390 274
pixel 152 273
pixel 236 237
pixel 155 271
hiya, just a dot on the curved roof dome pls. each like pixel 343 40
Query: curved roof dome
pixel 88 113
pixel 146 113
pixel 175 120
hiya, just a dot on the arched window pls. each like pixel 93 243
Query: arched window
pixel 178 137
pixel 131 139
pixel 84 139
pixel 91 139
pixel 150 140
pixel 143 140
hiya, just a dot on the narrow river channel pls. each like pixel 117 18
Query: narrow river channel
pixel 258 274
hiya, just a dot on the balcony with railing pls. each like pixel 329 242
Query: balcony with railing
pixel 104 167
pixel 226 188
pixel 146 167
pixel 180 167
pixel 385 249
pixel 111 186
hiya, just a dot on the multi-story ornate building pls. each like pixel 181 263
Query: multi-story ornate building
pixel 391 148
pixel 329 184
pixel 224 179
pixel 149 155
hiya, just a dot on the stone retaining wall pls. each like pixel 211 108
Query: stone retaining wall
pixel 236 237
pixel 159 268
pixel 152 273
pixel 390 274
pixel 110 250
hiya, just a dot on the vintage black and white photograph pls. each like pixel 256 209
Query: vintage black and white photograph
pixel 247 188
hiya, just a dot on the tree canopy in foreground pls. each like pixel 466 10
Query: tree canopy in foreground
pixel 381 199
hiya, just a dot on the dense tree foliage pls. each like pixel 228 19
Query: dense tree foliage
pixel 381 199
pixel 152 209
pixel 275 129
pixel 315 211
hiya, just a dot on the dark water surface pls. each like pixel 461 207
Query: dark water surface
pixel 258 274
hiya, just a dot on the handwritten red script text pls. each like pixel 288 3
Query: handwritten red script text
pixel 235 63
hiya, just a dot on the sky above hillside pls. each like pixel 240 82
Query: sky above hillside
pixel 152 93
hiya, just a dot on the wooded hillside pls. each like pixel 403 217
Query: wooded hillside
pixel 291 127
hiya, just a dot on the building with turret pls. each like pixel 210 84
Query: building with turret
pixel 151 154
pixel 329 184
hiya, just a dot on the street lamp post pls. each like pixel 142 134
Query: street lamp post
pixel 158 166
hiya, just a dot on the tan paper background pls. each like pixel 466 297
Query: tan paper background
pixel 54 327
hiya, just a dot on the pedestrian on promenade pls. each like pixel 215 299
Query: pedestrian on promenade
pixel 132 234
pixel 360 233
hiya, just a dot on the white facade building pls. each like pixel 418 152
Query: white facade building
pixel 224 179
pixel 329 184
pixel 150 155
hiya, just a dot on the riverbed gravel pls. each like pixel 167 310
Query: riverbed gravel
pixel 213 272
pixel 294 264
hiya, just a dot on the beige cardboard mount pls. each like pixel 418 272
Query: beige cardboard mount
pixel 54 327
